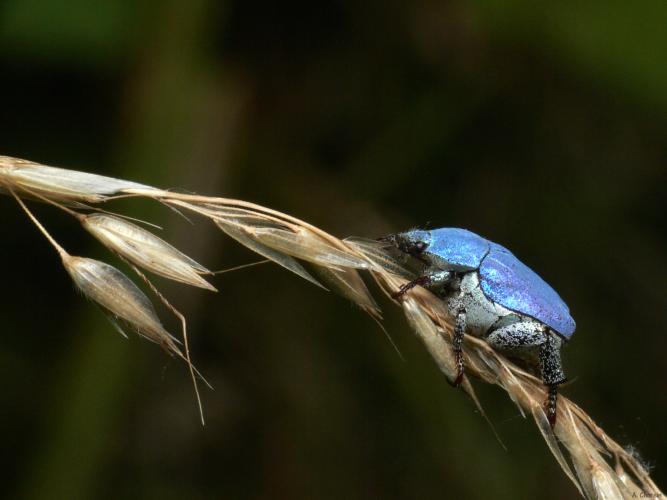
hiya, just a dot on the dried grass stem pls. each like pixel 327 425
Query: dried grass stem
pixel 597 465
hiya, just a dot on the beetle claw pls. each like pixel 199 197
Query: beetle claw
pixel 552 419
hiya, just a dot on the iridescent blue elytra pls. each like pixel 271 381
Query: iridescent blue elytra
pixel 504 278
pixel 509 282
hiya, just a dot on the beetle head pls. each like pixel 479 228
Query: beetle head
pixel 413 242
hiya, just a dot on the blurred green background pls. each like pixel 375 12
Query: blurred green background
pixel 540 125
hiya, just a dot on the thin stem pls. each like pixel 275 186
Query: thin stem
pixel 193 371
pixel 81 217
pixel 169 196
pixel 73 213
pixel 61 251
pixel 243 266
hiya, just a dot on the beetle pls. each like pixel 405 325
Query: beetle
pixel 491 294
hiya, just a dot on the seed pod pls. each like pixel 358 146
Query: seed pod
pixel 143 249
pixel 120 297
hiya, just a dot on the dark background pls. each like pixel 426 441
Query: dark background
pixel 540 125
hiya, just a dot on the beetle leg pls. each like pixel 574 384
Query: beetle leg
pixel 550 404
pixel 552 374
pixel 530 334
pixel 516 336
pixel 431 281
pixel 457 342
pixel 420 281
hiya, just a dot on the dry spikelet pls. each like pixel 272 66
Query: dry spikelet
pixel 289 263
pixel 294 241
pixel 349 284
pixel 144 249
pixel 61 184
pixel 304 245
pixel 120 297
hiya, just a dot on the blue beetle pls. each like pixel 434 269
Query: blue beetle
pixel 492 295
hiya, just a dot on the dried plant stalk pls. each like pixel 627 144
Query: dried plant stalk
pixel 578 444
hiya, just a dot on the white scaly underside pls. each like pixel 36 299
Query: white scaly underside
pixel 481 313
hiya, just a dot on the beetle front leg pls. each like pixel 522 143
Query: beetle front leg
pixel 431 281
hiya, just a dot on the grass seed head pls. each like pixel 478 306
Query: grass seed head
pixel 581 447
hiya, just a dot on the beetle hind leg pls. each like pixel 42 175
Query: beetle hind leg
pixel 552 374
pixel 530 335
pixel 457 345
pixel 550 405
